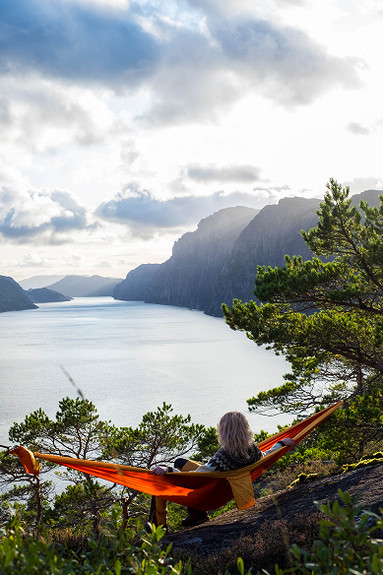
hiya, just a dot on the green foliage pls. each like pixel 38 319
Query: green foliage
pixel 347 545
pixel 77 504
pixel 118 552
pixel 29 490
pixel 159 438
pixel 324 315
pixel 27 555
pixel 353 430
pixel 76 432
pixel 207 444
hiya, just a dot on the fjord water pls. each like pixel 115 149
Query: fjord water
pixel 128 358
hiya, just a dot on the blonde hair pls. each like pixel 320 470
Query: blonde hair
pixel 234 433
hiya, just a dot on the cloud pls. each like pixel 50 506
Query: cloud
pixel 145 215
pixel 359 185
pixel 362 130
pixel 79 42
pixel 290 65
pixel 211 173
pixel 39 114
pixel 202 59
pixel 129 153
pixel 40 216
pixel 234 55
pixel 358 129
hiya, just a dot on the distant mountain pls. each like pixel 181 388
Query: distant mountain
pixel 218 262
pixel 12 296
pixel 36 282
pixel 45 295
pixel 85 286
pixel 136 283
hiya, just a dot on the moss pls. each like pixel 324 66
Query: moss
pixel 362 463
pixel 304 478
pixel 377 455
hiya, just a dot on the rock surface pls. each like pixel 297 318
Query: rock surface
pixel 190 276
pixel 223 531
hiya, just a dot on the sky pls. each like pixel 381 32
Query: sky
pixel 124 123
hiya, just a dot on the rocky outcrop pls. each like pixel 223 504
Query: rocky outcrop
pixel 12 296
pixel 218 262
pixel 296 508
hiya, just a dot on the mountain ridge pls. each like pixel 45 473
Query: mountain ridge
pixel 218 261
pixel 85 286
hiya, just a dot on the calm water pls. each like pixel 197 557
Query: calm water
pixel 128 358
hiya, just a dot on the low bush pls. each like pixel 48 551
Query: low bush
pixel 340 539
pixel 347 544
pixel 119 552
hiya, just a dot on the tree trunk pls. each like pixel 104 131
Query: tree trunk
pixel 37 488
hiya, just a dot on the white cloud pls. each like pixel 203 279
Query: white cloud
pixel 212 173
pixel 41 115
pixel 358 129
pixel 358 185
pixel 201 104
pixel 187 68
pixel 40 215
pixel 146 215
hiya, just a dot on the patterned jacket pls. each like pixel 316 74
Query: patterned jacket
pixel 223 460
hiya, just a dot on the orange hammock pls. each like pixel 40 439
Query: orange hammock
pixel 202 490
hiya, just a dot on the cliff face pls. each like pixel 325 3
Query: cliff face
pixel 274 232
pixel 12 296
pixel 189 276
pixel 218 262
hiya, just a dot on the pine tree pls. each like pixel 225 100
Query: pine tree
pixel 324 315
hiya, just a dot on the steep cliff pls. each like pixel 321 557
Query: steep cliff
pixel 218 262
pixel 272 234
pixel 189 276
pixel 12 296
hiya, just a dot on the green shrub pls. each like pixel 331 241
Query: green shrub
pixel 347 545
pixel 119 552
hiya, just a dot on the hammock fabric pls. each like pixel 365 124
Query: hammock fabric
pixel 202 490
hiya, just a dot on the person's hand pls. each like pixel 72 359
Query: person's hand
pixel 288 441
pixel 159 470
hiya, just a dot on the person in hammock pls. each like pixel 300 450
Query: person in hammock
pixel 237 449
